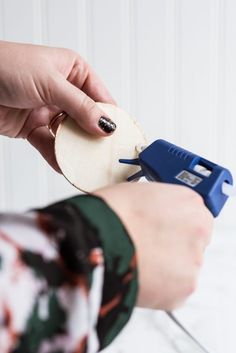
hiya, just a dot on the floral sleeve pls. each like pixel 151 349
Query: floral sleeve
pixel 68 278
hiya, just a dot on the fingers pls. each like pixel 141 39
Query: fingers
pixel 43 141
pixel 38 117
pixel 80 107
pixel 83 77
pixel 94 88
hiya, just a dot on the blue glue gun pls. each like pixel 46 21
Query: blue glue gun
pixel 165 162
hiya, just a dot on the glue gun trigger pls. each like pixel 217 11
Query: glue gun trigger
pixel 130 161
pixel 137 175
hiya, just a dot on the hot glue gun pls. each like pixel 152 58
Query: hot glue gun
pixel 165 162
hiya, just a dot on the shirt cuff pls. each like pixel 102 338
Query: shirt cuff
pixel 120 285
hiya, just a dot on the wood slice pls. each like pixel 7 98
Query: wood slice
pixel 89 162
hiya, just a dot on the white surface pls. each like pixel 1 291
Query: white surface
pixel 210 313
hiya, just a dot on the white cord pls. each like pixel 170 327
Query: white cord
pixel 189 335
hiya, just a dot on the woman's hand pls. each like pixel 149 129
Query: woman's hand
pixel 170 227
pixel 36 83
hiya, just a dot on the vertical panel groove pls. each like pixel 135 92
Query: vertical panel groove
pixel 178 74
pixel 125 54
pixel 213 75
pixel 2 12
pixel 8 170
pixel 44 22
pixel 133 58
pixel 3 183
pixel 38 25
pixel 2 141
pixel 41 37
pixel 169 67
pixel 82 21
pixel 221 81
pixel 173 70
pixel 90 32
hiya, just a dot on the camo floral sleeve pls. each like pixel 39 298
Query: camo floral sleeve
pixel 68 278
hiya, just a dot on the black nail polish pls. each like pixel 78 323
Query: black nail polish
pixel 106 124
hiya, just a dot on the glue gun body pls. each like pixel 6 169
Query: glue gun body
pixel 168 163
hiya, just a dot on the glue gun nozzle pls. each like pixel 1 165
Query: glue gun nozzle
pixel 140 148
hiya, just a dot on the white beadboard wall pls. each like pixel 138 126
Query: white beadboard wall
pixel 170 63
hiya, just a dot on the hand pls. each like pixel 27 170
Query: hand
pixel 37 83
pixel 170 227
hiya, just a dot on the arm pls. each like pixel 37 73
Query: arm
pixel 68 278
pixel 67 274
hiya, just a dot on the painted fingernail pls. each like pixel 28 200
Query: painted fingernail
pixel 106 124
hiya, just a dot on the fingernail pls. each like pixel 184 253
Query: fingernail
pixel 106 124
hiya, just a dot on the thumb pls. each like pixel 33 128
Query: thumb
pixel 81 108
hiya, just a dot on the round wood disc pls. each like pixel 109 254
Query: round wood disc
pixel 89 162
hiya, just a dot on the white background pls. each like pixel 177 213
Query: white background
pixel 172 65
